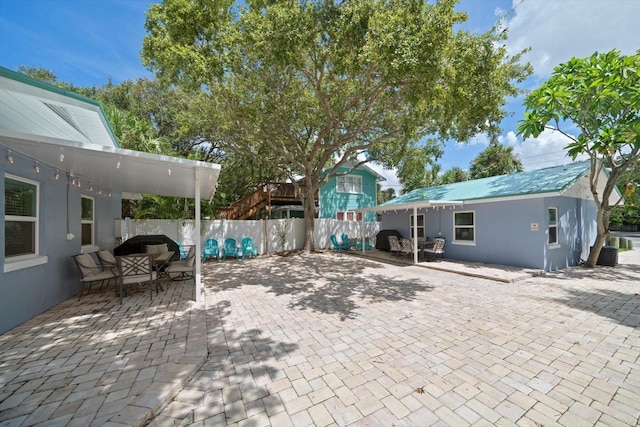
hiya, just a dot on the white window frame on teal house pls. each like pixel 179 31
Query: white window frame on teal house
pixel 32 258
pixel 420 228
pixel 348 216
pixel 87 224
pixel 552 236
pixel 457 238
pixel 350 184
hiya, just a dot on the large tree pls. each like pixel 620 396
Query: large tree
pixel 601 96
pixel 496 159
pixel 321 83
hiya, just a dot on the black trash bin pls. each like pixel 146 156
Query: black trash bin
pixel 608 256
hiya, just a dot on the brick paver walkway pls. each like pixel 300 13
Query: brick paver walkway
pixel 96 362
pixel 332 340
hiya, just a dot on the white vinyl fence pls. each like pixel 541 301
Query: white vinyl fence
pixel 269 236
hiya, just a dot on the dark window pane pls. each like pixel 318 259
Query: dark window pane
pixel 20 238
pixel 463 233
pixel 87 209
pixel 465 218
pixel 20 198
pixel 552 216
pixel 87 234
pixel 553 235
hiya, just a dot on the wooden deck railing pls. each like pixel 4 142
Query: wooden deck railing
pixel 263 196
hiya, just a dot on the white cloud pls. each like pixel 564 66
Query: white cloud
pixel 545 150
pixel 479 139
pixel 390 176
pixel 557 30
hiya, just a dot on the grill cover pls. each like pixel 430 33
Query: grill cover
pixel 138 245
pixel 382 238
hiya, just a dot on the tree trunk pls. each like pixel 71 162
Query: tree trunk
pixel 603 234
pixel 309 203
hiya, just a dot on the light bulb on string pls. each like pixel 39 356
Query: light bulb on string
pixel 36 167
pixel 56 176
pixel 61 158
pixel 9 157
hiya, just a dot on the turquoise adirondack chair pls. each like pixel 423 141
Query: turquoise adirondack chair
pixel 345 242
pixel 230 248
pixel 338 246
pixel 211 250
pixel 367 245
pixel 183 251
pixel 248 248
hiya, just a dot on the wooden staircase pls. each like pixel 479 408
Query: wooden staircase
pixel 269 194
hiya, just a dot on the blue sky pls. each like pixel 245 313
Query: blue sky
pixel 87 42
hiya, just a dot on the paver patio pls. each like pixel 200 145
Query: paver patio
pixel 333 339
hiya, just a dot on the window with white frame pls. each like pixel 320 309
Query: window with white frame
pixel 87 219
pixel 20 216
pixel 553 226
pixel 464 228
pixel 351 184
pixel 420 226
pixel 349 216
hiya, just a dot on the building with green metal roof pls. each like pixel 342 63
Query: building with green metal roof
pixel 543 219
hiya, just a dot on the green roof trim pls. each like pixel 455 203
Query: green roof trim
pixel 21 78
pixel 540 181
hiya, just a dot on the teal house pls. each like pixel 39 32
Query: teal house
pixel 348 191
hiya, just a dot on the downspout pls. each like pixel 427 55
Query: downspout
pixel 197 230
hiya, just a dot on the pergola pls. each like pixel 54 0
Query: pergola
pixel 70 134
pixel 409 206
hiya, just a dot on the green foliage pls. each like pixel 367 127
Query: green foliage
pixel 385 195
pixel 601 96
pixel 496 159
pixel 453 175
pixel 323 83
pixel 629 212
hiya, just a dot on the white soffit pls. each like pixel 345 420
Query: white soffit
pixel 118 169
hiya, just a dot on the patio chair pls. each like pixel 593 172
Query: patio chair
pixel 406 247
pixel 247 247
pixel 436 249
pixel 91 273
pixel 230 248
pixel 210 250
pixel 183 269
pixel 336 246
pixel 367 244
pixel 183 251
pixel 137 268
pixel 346 243
pixel 108 261
pixel 394 245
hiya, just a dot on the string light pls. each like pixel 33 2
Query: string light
pixel 72 180
pixel 169 172
pixel 118 165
